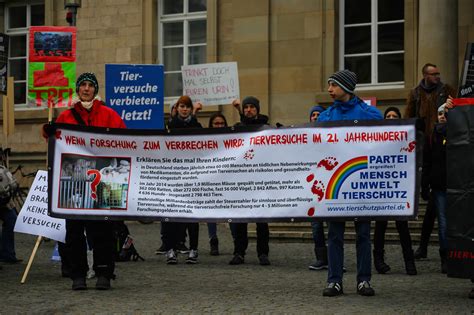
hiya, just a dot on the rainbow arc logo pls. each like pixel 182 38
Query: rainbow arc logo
pixel 342 173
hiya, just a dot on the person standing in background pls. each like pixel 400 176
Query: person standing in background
pixel 402 228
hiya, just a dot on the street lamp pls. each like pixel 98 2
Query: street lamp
pixel 71 6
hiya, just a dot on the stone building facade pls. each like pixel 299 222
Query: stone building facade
pixel 285 49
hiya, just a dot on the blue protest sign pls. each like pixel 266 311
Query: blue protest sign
pixel 136 93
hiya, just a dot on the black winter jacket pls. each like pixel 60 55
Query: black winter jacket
pixel 434 160
pixel 176 123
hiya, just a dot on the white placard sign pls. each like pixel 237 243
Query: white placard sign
pixel 270 174
pixel 211 83
pixel 34 219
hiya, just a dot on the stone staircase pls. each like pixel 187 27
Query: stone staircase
pixel 301 232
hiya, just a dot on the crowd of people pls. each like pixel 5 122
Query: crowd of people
pixel 429 102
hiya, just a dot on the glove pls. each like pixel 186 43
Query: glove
pixel 47 130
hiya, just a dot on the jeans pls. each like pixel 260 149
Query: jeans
pixel 336 251
pixel 7 250
pixel 318 234
pixel 428 223
pixel 439 199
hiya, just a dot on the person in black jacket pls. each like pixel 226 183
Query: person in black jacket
pixel 250 115
pixel 434 178
pixel 250 112
pixel 172 231
pixel 402 228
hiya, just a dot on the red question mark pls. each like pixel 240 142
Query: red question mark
pixel 95 182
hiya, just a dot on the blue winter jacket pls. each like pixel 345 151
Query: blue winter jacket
pixel 355 108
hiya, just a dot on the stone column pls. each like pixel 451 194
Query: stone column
pixel 438 38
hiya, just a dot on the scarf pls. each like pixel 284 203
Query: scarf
pixel 429 88
pixel 86 105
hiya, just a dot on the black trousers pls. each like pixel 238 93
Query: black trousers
pixel 241 240
pixel 172 234
pixel 193 231
pixel 403 232
pixel 101 235
pixel 428 223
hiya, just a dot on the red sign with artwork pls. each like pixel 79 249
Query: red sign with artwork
pixel 52 44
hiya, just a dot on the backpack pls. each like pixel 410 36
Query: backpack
pixel 125 249
pixel 8 185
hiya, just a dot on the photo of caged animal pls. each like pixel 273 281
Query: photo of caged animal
pixel 76 186
pixel 113 188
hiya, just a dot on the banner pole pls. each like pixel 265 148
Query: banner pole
pixel 32 257
pixel 50 114
pixel 40 238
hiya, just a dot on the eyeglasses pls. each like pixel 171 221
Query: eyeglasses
pixel 436 74
pixel 440 113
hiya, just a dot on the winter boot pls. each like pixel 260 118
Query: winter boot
pixel 421 252
pixel 321 259
pixel 410 263
pixel 214 243
pixel 444 260
pixel 379 262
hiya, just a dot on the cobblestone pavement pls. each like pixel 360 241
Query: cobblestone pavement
pixel 213 286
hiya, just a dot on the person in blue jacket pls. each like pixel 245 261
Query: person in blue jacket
pixel 348 106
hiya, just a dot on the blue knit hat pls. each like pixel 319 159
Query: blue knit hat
pixel 316 108
pixel 88 76
pixel 346 79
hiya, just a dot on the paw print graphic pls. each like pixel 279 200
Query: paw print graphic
pixel 249 154
pixel 411 147
pixel 328 163
pixel 317 188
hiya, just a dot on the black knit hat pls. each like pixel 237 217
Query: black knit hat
pixel 88 76
pixel 346 79
pixel 251 100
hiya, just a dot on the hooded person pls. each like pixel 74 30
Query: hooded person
pixel 434 178
pixel 89 110
pixel 315 111
pixel 317 227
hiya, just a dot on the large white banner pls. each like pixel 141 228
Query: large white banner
pixel 271 174
pixel 33 218
pixel 211 83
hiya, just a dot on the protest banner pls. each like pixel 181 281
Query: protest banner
pixel 460 168
pixel 336 170
pixel 211 83
pixel 136 93
pixel 33 218
pixel 460 196
pixel 466 84
pixel 51 84
pixel 52 44
pixel 51 66
pixel 4 40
